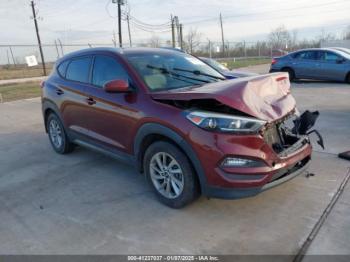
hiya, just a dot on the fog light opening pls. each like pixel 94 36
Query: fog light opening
pixel 241 162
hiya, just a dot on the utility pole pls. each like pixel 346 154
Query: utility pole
pixel 59 41
pixel 8 58
pixel 245 49
pixel 222 36
pixel 58 54
pixel 209 46
pixel 128 20
pixel 13 58
pixel 38 36
pixel 181 38
pixel 177 24
pixel 120 3
pixel 173 31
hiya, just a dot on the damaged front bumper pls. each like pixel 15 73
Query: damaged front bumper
pixel 235 193
pixel 286 153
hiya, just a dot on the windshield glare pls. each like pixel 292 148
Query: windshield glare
pixel 164 71
pixel 216 65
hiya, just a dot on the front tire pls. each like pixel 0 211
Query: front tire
pixel 347 80
pixel 57 135
pixel 170 175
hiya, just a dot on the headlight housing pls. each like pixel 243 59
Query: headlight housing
pixel 225 123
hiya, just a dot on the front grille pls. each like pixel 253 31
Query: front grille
pixel 282 140
pixel 271 135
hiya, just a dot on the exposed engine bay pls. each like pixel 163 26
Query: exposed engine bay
pixel 291 133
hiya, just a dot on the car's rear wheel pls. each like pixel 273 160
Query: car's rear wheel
pixel 170 174
pixel 57 135
pixel 290 72
pixel 348 78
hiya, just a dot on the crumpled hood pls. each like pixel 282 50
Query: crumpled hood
pixel 266 97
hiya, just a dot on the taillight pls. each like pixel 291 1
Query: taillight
pixel 274 61
pixel 42 84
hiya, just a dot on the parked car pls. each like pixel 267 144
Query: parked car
pixel 316 63
pixel 224 70
pixel 171 116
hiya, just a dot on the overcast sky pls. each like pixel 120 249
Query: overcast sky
pixel 83 21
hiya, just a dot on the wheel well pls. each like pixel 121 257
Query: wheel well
pixel 149 140
pixel 286 68
pixel 347 78
pixel 152 138
pixel 48 111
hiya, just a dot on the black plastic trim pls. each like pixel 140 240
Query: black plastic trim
pixel 157 129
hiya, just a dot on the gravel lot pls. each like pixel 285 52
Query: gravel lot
pixel 86 203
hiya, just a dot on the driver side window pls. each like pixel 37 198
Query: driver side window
pixel 106 69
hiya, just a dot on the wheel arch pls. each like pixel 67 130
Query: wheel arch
pixel 151 132
pixel 47 108
pixel 347 78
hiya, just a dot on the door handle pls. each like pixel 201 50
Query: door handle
pixel 59 91
pixel 90 101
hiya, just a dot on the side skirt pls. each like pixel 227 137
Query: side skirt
pixel 116 154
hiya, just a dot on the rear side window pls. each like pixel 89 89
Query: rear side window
pixel 62 68
pixel 307 55
pixel 106 69
pixel 79 69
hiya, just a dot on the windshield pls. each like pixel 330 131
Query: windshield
pixel 165 71
pixel 215 64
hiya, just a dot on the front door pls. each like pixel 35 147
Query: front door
pixel 332 66
pixel 111 115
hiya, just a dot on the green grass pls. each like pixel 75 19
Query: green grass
pixel 231 64
pixel 22 71
pixel 18 91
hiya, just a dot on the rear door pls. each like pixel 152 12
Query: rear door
pixel 331 66
pixel 73 105
pixel 112 117
pixel 305 64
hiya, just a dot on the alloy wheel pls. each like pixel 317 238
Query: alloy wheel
pixel 55 133
pixel 166 175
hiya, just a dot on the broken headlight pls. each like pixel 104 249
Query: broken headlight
pixel 225 123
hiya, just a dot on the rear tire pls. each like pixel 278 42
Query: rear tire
pixel 170 174
pixel 290 72
pixel 347 80
pixel 57 135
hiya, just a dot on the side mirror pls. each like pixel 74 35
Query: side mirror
pixel 340 60
pixel 117 86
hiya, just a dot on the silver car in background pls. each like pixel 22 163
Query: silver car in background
pixel 316 63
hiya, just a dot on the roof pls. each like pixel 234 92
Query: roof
pixel 132 50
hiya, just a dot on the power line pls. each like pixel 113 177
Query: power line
pixel 264 12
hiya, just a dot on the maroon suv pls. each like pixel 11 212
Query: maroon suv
pixel 178 121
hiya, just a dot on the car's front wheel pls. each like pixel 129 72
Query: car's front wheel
pixel 170 174
pixel 348 78
pixel 57 135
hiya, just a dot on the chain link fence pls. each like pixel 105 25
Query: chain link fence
pixel 13 63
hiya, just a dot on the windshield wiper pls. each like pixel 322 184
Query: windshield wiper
pixel 197 72
pixel 166 71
